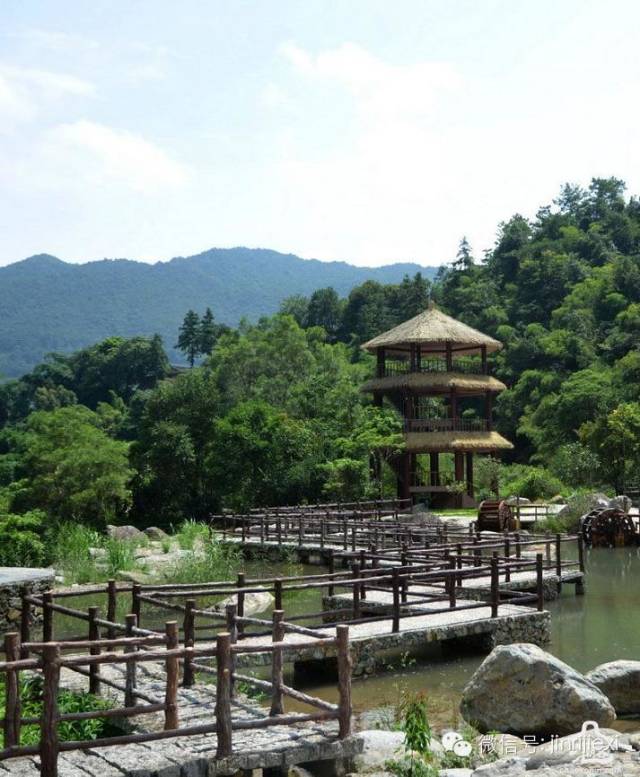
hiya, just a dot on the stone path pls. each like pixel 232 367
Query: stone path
pixel 193 756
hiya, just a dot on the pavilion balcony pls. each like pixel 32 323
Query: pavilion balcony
pixel 468 366
pixel 446 425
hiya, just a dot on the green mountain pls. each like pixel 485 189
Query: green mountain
pixel 50 305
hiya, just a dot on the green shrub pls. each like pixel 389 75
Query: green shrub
pixel 20 541
pixel 530 482
pixel 210 562
pixel 190 533
pixel 68 701
pixel 70 551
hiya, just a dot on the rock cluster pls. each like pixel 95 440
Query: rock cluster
pixel 523 690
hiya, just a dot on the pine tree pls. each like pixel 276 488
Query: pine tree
pixel 189 337
pixel 207 333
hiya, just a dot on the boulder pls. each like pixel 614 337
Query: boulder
pixel 378 747
pixel 502 746
pixel 154 533
pixel 124 532
pixel 505 767
pixel 254 603
pixel 586 744
pixel 620 683
pixel 521 689
pixel 132 576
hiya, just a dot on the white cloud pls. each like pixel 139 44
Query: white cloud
pixel 54 40
pixel 102 154
pixel 24 91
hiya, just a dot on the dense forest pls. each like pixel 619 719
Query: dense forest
pixel 271 411
pixel 49 305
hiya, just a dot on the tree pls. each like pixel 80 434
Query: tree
pixel 189 338
pixel 71 468
pixel 208 334
pixel 325 310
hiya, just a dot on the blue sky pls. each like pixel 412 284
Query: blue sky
pixel 362 130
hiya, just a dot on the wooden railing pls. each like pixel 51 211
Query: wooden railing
pixel 446 425
pixel 48 658
pixel 403 367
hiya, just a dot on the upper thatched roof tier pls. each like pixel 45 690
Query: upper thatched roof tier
pixel 433 329
pixel 429 382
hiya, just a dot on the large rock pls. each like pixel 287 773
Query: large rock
pixel 254 603
pixel 584 745
pixel 523 690
pixel 124 532
pixel 378 747
pixel 517 500
pixel 620 683
pixel 155 533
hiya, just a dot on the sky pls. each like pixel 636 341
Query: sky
pixel 361 130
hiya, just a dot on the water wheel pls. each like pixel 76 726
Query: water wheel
pixel 608 527
pixel 495 515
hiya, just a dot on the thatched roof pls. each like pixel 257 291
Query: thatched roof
pixel 455 442
pixel 433 329
pixel 434 382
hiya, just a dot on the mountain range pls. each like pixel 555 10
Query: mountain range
pixel 47 304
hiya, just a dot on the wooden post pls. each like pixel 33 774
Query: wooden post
pixel 459 565
pixel 540 581
pixel 363 566
pixel 49 740
pixel 47 616
pixel 518 545
pixel 355 573
pixel 507 553
pixel 130 667
pixel 547 541
pixel 136 604
pixel 345 537
pixel 224 729
pixel 277 594
pixel 581 552
pixel 395 582
pixel 451 583
pixel 112 606
pixel 12 713
pixel 188 628
pixel 25 622
pixel 353 539
pixel 449 357
pixel 279 530
pixel 469 469
pixel 322 531
pixel 344 681
pixel 277 665
pixel 495 586
pixel 172 668
pixel 332 570
pixel 262 529
pixel 232 628
pixel 559 560
pixel 477 553
pixel 240 613
pixel 94 650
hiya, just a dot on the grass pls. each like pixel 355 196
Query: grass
pixel 191 533
pixel 210 561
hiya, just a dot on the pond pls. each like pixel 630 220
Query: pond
pixel 586 631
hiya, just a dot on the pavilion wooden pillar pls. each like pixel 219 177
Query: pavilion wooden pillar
pixel 418 357
pixel 458 465
pixel 483 356
pixel 412 357
pixel 449 357
pixel 488 409
pixel 380 354
pixel 434 468
pixel 413 469
pixel 469 467
pixel 453 404
pixel 405 476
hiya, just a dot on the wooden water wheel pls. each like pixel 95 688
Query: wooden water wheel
pixel 495 515
pixel 608 527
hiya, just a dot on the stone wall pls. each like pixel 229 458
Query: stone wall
pixel 13 580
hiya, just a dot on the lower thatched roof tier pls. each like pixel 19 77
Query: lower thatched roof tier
pixel 436 382
pixel 456 442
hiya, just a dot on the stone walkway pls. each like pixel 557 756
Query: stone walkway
pixel 193 756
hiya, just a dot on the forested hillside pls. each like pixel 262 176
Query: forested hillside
pixel 49 305
pixel 274 414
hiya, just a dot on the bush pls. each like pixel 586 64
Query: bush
pixel 20 542
pixel 530 482
pixel 210 562
pixel 70 551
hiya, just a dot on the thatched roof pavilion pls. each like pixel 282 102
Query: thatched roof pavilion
pixel 435 356
pixel 433 330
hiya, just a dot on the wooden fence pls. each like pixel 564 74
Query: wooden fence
pixel 48 658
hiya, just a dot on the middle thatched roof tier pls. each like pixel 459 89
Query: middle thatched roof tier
pixel 433 329
pixel 435 382
pixel 456 442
